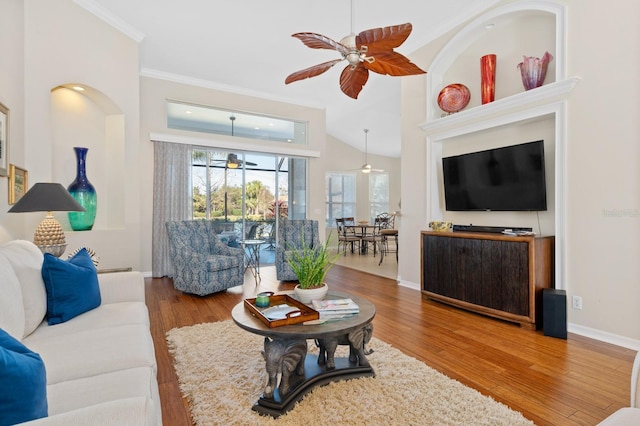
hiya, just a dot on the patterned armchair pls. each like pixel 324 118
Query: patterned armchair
pixel 290 234
pixel 202 264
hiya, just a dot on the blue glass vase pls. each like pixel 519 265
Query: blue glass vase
pixel 84 193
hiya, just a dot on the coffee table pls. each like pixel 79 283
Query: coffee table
pixel 285 351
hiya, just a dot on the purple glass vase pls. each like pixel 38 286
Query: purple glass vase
pixel 534 70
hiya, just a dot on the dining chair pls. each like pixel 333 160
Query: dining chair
pixel 347 234
pixel 375 239
pixel 384 246
pixel 271 240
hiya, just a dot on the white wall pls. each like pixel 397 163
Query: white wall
pixel 61 43
pixel 602 152
pixel 12 96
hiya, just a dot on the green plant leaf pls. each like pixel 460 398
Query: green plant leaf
pixel 311 264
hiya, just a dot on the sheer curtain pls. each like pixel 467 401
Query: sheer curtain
pixel 172 198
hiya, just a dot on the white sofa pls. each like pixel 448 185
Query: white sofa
pixel 100 365
pixel 628 416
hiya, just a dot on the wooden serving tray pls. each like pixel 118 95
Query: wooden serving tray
pixel 303 314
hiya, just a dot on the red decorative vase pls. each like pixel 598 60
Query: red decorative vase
pixel 488 78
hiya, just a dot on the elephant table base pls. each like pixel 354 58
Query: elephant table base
pixel 316 373
pixel 285 353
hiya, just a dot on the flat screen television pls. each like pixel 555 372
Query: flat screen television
pixel 510 178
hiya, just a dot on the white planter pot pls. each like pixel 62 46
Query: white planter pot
pixel 309 294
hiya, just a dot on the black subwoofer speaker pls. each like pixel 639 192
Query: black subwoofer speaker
pixel 554 312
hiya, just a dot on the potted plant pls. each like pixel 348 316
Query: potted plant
pixel 311 265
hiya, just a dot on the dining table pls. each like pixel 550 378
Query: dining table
pixel 361 230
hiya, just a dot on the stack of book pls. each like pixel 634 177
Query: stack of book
pixel 335 308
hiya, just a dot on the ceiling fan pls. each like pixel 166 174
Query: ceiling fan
pixel 366 167
pixel 233 162
pixel 371 50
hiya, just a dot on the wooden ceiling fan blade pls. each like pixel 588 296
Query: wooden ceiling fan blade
pixel 311 71
pixel 392 63
pixel 319 41
pixel 353 79
pixel 386 38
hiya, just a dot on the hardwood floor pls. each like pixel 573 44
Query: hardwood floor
pixel 551 381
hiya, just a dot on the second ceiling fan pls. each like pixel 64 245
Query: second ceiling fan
pixel 233 162
pixel 366 167
pixel 371 50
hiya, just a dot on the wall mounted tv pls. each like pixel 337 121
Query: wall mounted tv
pixel 510 178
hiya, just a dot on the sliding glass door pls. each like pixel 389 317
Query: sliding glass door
pixel 246 193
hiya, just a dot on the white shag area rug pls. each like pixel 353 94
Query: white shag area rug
pixel 222 375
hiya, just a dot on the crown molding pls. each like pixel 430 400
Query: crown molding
pixel 207 84
pixel 111 19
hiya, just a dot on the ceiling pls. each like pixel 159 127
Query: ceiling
pixel 246 47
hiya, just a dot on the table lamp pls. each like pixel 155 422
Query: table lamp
pixel 48 197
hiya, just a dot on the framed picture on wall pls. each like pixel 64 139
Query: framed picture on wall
pixel 4 140
pixel 18 182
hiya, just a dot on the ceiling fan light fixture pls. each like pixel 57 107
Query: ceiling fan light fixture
pixel 355 50
pixel 232 165
pixel 366 168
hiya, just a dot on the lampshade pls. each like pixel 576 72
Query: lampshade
pixel 48 197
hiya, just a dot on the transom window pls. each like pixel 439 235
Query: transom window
pixel 207 119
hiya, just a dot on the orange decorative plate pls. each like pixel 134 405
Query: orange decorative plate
pixel 454 97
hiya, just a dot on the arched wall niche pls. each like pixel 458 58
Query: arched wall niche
pixel 524 28
pixel 82 116
pixel 521 28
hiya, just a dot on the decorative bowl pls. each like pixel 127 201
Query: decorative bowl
pixel 454 97
pixel 441 226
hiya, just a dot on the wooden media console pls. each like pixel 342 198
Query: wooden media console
pixel 492 274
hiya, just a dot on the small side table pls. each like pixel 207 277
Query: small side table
pixel 252 257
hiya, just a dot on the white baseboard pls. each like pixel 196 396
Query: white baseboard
pixel 408 284
pixel 604 336
pixel 591 333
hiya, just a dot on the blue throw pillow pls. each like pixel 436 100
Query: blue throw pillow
pixel 23 381
pixel 72 286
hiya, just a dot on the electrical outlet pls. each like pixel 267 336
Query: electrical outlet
pixel 576 302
